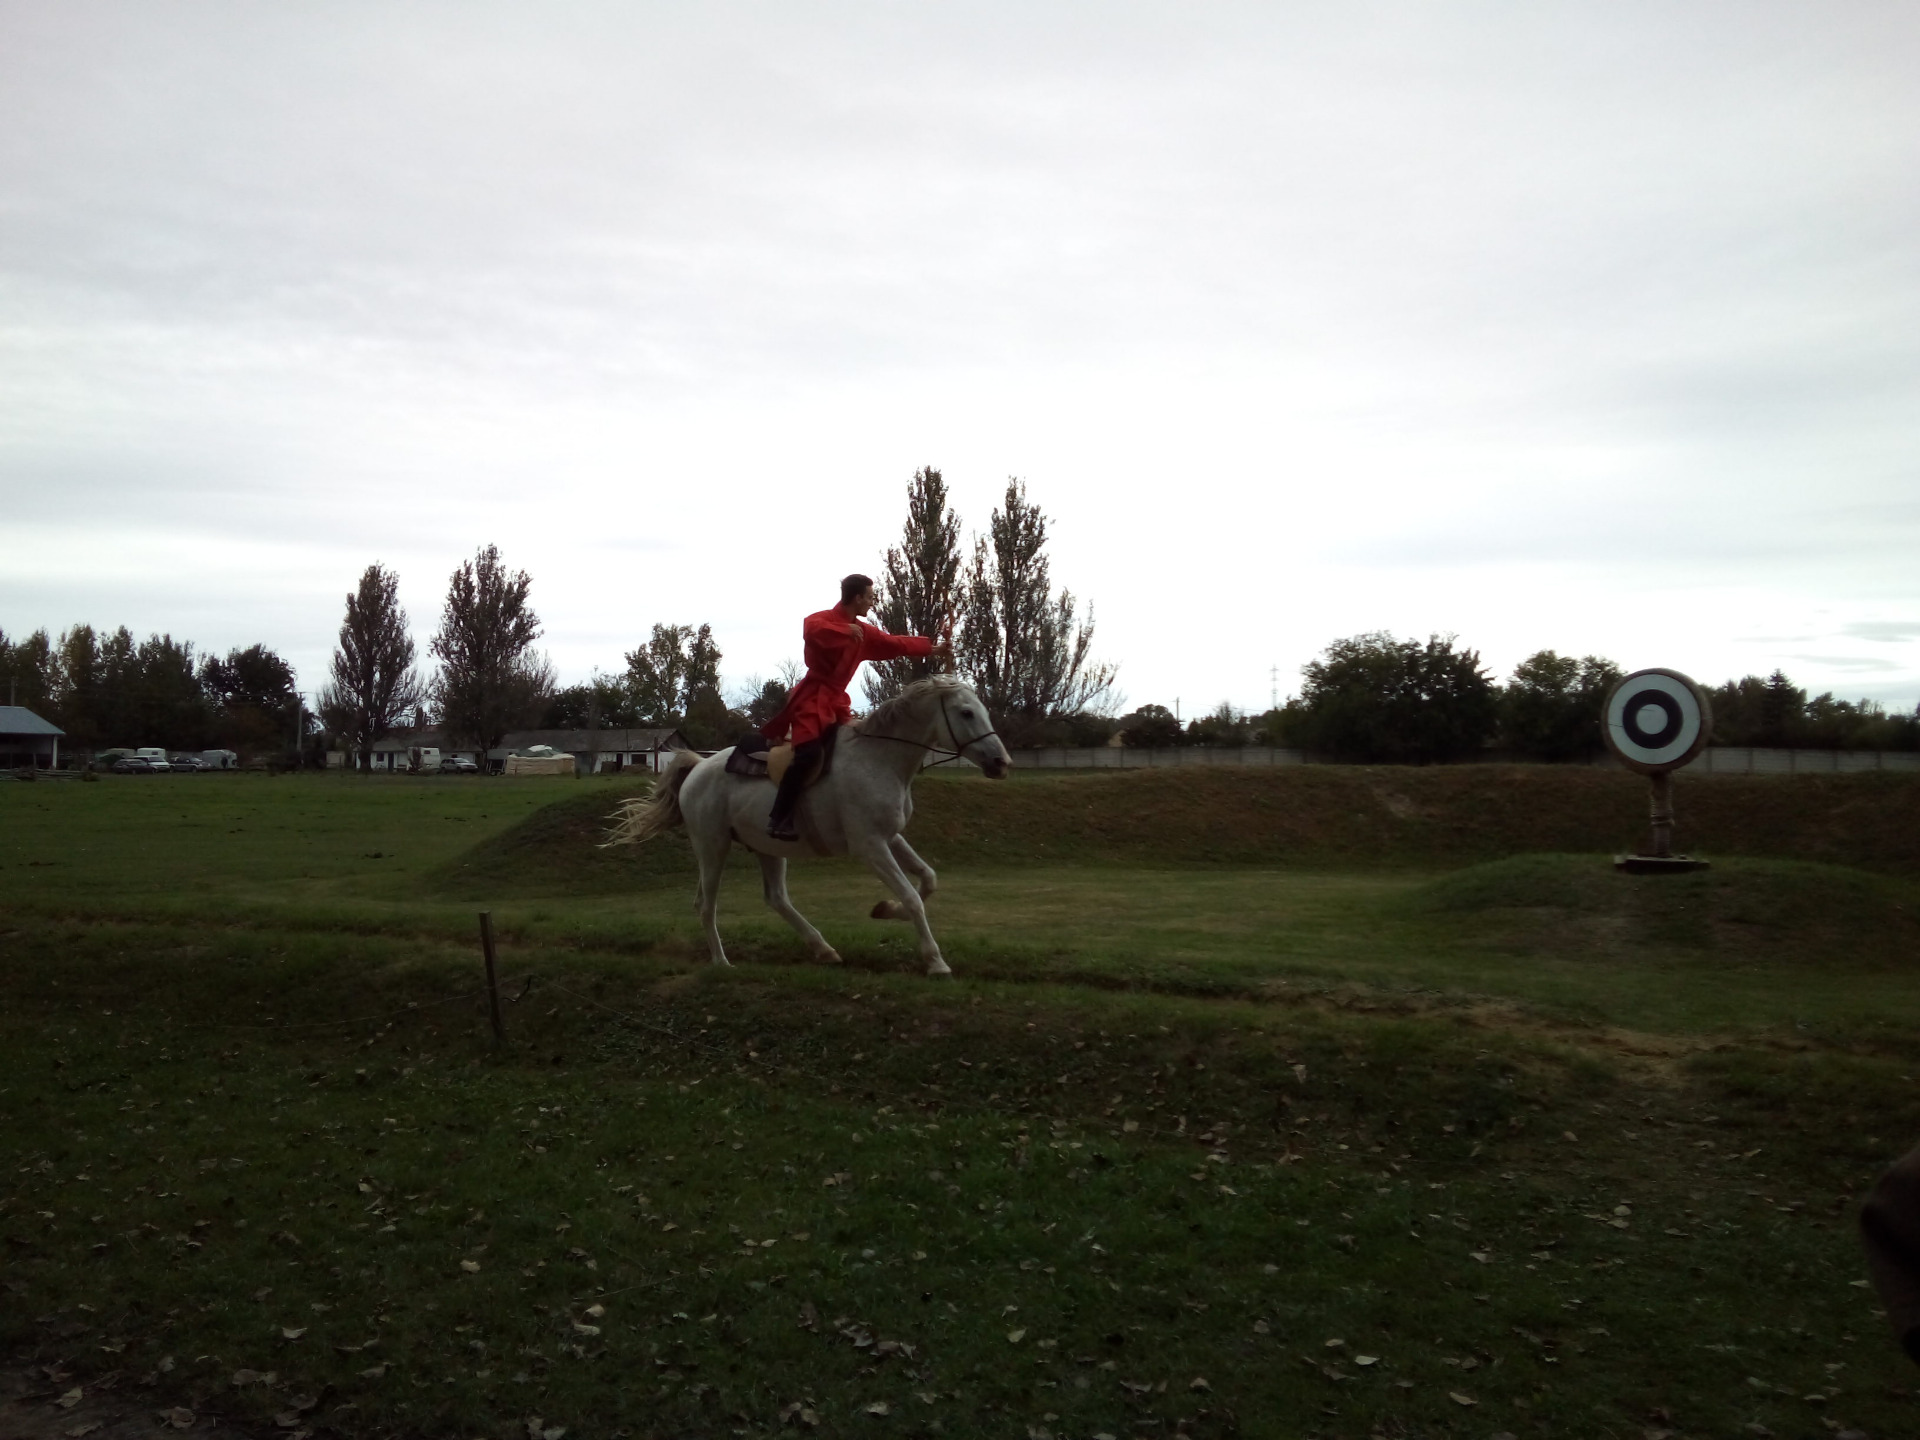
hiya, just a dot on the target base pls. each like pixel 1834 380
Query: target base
pixel 1658 864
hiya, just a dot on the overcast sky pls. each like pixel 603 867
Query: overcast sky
pixel 1584 327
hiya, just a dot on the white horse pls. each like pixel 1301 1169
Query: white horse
pixel 859 809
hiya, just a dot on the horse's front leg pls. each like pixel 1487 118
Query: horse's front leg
pixel 926 880
pixel 878 853
pixel 773 881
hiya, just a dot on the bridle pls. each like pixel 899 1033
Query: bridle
pixel 953 734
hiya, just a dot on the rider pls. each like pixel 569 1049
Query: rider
pixel 835 643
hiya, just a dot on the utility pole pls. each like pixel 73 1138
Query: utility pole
pixel 1273 679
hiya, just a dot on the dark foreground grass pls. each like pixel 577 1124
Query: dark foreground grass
pixel 259 1160
pixel 696 1204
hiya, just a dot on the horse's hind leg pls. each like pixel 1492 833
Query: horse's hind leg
pixel 922 872
pixel 712 857
pixel 773 881
pixel 878 853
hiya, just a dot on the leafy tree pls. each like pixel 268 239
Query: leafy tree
pixel 603 702
pixel 1374 698
pixel 490 679
pixel 1224 726
pixel 919 592
pixel 1773 711
pixel 1551 708
pixel 670 670
pixel 1151 727
pixel 767 702
pixel 29 674
pixel 257 705
pixel 373 680
pixel 1020 644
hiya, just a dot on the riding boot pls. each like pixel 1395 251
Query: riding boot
pixel 780 824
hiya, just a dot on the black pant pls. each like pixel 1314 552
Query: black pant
pixel 806 760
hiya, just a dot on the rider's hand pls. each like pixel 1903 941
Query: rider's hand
pixel 942 650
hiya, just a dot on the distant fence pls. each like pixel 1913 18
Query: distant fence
pixel 1716 760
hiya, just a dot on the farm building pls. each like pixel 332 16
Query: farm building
pixel 28 741
pixel 593 751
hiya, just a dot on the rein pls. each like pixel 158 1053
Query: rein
pixel 953 734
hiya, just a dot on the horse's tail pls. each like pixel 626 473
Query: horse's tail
pixel 640 819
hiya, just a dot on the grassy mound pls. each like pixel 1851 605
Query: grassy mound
pixel 1760 909
pixel 1314 816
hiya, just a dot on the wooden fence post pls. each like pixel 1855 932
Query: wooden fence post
pixel 493 981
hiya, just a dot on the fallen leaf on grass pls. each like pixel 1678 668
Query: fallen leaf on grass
pixel 71 1398
pixel 1459 1399
pixel 1485 1257
pixel 472 1267
pixel 374 1372
pixel 1366 1359
pixel 879 1407
pixel 292 1332
pixel 254 1377
pixel 85 1427
pixel 1198 1383
pixel 180 1418
pixel 1014 1337
pixel 594 1312
pixel 579 1328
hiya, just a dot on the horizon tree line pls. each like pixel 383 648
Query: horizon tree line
pixel 1022 644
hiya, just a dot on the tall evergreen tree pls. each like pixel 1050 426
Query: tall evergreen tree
pixel 1019 643
pixel 491 680
pixel 919 590
pixel 374 683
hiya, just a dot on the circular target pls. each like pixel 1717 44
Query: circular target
pixel 1656 720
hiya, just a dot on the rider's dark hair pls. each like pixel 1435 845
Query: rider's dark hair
pixel 853 587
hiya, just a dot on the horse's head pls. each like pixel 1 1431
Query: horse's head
pixel 972 732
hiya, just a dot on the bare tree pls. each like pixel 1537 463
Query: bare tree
pixel 919 593
pixel 1021 645
pixel 490 680
pixel 374 683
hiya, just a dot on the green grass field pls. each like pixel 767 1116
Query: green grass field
pixel 1326 1102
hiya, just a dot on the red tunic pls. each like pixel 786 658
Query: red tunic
pixel 835 645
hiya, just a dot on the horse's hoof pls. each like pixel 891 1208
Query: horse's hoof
pixel 888 910
pixel 722 960
pixel 939 967
pixel 829 956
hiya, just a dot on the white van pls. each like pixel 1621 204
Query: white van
pixel 155 756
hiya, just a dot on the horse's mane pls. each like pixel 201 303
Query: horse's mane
pixel 906 704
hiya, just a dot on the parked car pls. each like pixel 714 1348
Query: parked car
pixel 458 765
pixel 154 756
pixel 187 762
pixel 133 765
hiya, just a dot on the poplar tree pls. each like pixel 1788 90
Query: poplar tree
pixel 490 678
pixel 374 683
pixel 1022 646
pixel 919 589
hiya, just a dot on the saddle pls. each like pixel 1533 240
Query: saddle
pixel 756 759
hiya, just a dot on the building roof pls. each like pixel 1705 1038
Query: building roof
pixel 18 720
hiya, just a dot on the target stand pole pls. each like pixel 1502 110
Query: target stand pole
pixel 1660 841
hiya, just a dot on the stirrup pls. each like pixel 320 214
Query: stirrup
pixel 782 830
